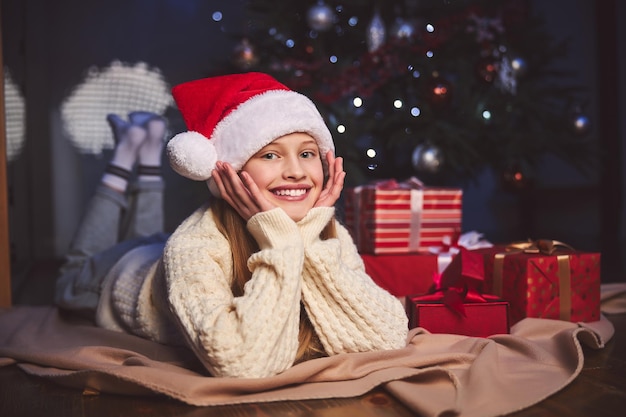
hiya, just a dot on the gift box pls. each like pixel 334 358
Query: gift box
pixel 553 282
pixel 455 303
pixel 409 274
pixel 402 275
pixel 388 217
pixel 480 319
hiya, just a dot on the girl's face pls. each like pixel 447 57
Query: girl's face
pixel 289 173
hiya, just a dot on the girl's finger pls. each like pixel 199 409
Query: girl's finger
pixel 256 196
pixel 330 160
pixel 332 190
pixel 233 191
pixel 338 179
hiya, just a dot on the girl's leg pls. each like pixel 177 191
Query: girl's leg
pixel 129 138
pixel 146 216
pixel 95 247
pixel 78 283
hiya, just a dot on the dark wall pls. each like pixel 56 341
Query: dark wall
pixel 50 46
pixel 49 49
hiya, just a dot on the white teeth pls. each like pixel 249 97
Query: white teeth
pixel 290 193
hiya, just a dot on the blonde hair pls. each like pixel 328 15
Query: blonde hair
pixel 243 245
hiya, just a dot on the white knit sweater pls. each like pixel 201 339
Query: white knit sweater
pixel 188 296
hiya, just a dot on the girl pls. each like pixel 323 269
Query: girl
pixel 263 277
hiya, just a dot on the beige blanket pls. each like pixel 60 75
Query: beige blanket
pixel 434 375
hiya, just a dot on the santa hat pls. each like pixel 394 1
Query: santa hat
pixel 231 117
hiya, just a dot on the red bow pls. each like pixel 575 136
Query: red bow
pixel 452 242
pixel 460 282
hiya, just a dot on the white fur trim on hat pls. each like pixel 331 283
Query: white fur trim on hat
pixel 266 117
pixel 192 155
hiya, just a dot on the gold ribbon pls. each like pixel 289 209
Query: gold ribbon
pixel 544 247
pixel 498 267
pixel 565 288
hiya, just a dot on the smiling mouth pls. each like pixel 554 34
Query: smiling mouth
pixel 290 193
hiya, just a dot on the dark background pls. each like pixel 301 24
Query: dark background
pixel 49 46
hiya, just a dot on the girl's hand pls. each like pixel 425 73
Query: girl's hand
pixel 240 191
pixel 336 175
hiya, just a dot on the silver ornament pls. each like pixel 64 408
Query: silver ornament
pixel 506 79
pixel 581 124
pixel 402 29
pixel 376 33
pixel 320 17
pixel 427 158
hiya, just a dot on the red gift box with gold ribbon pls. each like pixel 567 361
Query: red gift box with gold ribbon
pixel 456 305
pixel 544 279
pixel 390 217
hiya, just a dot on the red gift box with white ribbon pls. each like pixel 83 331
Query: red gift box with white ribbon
pixel 413 273
pixel 390 217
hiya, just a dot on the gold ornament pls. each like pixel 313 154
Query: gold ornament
pixel 244 55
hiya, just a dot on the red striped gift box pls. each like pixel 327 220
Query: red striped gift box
pixel 393 218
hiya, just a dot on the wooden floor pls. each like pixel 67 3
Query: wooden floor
pixel 599 391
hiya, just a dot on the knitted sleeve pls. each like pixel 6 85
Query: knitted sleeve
pixel 349 311
pixel 254 335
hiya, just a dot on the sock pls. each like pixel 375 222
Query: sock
pixel 116 177
pixel 128 141
pixel 149 168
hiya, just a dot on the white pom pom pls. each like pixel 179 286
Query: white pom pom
pixel 192 155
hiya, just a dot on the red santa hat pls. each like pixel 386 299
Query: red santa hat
pixel 231 117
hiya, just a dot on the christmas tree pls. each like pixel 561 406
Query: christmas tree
pixel 437 89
